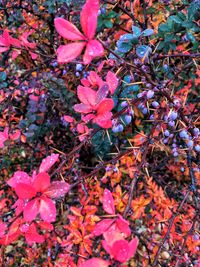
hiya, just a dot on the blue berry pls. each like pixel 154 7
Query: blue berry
pixel 150 94
pixel 127 119
pixel 166 133
pixel 77 74
pixel 118 128
pixel 196 131
pixel 155 104
pixel 124 104
pixel 197 148
pixel 184 134
pixel 79 67
pixel 175 154
pixel 171 123
pixel 173 116
pixel 190 144
pixel 144 111
pixel 165 141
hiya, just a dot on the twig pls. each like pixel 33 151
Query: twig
pixel 171 221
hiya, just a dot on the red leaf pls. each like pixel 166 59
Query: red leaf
pixel 112 81
pixel 32 235
pixel 108 202
pixel 88 17
pixel 25 191
pixel 47 209
pixel 102 226
pixel 69 52
pixel 48 162
pixel 31 210
pixel 68 30
pixel 42 181
pixel 57 189
pixel 93 49
pixel 45 226
pixel 86 95
pixel 105 106
pixel 95 262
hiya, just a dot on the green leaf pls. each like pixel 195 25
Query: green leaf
pixel 2 76
pixel 163 28
pixel 143 51
pixel 136 30
pixel 148 32
pixel 108 23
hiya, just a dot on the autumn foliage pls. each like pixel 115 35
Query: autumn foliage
pixel 99 133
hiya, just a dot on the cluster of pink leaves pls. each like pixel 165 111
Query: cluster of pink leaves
pixel 114 232
pixel 35 193
pixel 35 196
pixel 5 135
pixel 7 41
pixel 95 106
pixel 69 31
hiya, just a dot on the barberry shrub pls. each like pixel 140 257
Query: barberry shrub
pixel 99 133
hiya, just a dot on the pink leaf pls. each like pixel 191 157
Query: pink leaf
pixel 48 162
pixel 112 234
pixel 88 18
pixel 3 137
pixel 123 226
pixel 68 30
pixel 57 189
pixel 120 250
pixel 69 52
pixel 41 182
pixel 95 262
pixel 47 209
pixel 31 210
pixel 68 118
pixel 108 202
pixel 86 95
pixel 32 235
pixel 19 177
pixel 93 49
pixel 104 120
pixel 25 191
pixel 102 226
pixel 112 81
pixel 102 93
pixel 132 247
pixel 82 108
